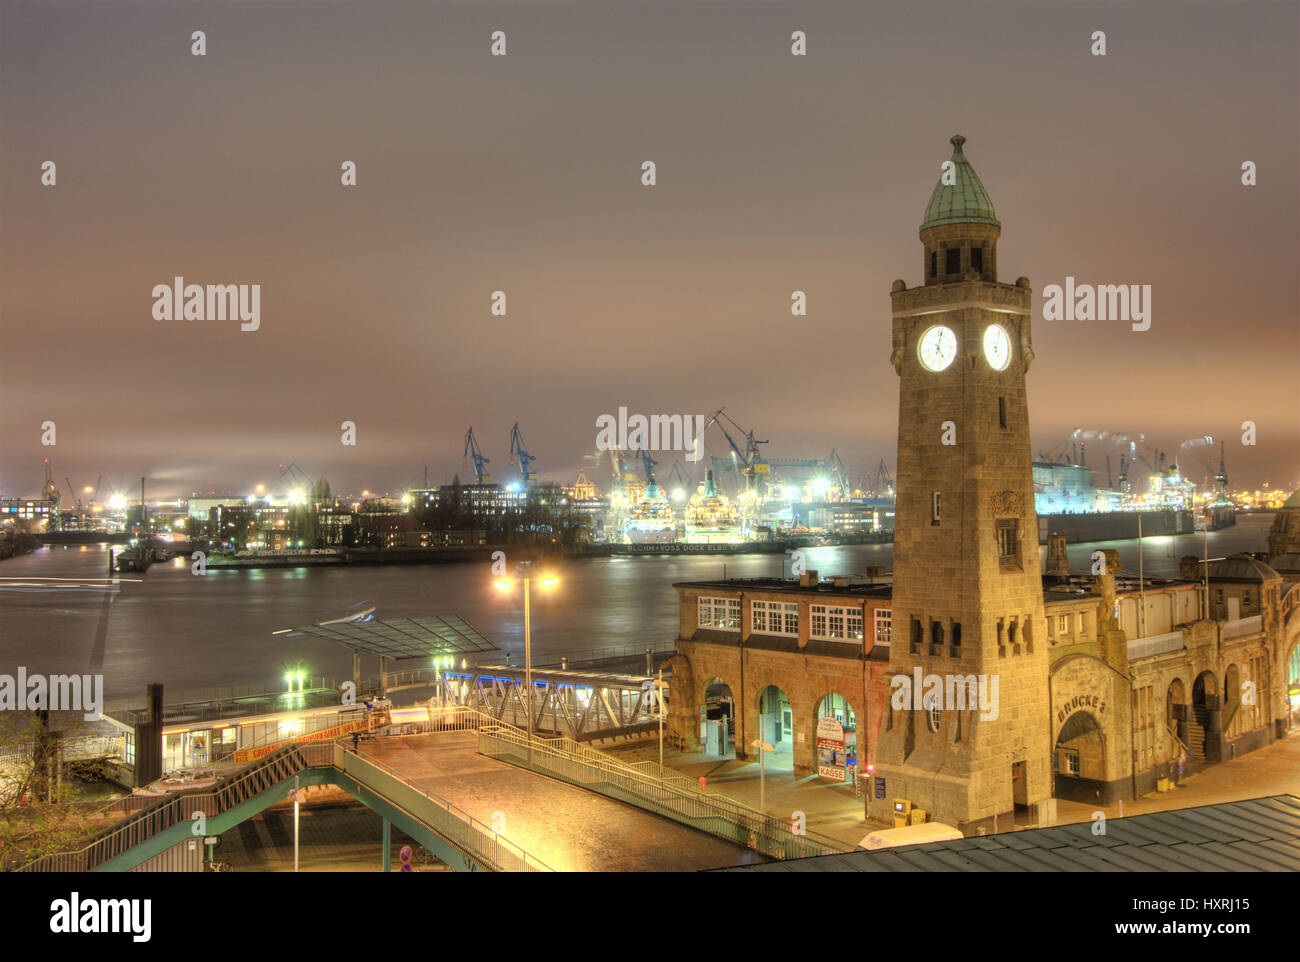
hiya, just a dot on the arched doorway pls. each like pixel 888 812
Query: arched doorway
pixel 1204 697
pixel 1079 760
pixel 1291 673
pixel 776 727
pixel 1176 717
pixel 836 727
pixel 1231 701
pixel 718 719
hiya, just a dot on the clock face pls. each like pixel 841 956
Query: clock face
pixel 938 348
pixel 997 347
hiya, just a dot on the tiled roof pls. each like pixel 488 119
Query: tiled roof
pixel 963 202
pixel 1256 835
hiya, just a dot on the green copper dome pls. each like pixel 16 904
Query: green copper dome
pixel 965 202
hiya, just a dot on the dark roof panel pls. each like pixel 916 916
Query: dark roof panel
pixel 1258 834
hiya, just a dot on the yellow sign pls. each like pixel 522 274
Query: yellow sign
pixel 325 734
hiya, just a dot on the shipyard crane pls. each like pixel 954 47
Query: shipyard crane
pixel 50 492
pixel 297 477
pixel 679 479
pixel 1198 443
pixel 883 485
pixel 753 464
pixel 73 492
pixel 472 451
pixel 519 455
pixel 841 473
pixel 647 464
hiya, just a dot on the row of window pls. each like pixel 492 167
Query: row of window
pixel 1010 631
pixel 826 622
pixel 952 260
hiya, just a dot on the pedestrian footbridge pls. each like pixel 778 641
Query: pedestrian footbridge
pixel 480 796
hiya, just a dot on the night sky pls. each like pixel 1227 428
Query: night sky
pixel 522 173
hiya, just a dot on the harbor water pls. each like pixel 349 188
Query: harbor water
pixel 185 631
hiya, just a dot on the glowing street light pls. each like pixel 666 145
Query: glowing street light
pixel 505 584
pixel 763 748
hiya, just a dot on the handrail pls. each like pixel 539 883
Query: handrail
pixel 170 810
pixel 218 693
pixel 1186 747
pixel 660 790
pixel 165 812
pixel 459 827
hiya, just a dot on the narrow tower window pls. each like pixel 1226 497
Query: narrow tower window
pixel 1002 411
pixel 954 260
pixel 934 507
pixel 977 259
pixel 1008 531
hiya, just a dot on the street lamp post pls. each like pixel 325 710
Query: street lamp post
pixel 528 671
pixel 547 581
pixel 763 748
pixel 660 685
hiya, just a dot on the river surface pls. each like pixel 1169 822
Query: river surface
pixel 186 632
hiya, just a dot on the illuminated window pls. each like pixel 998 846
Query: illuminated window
pixel 775 617
pixel 884 618
pixel 835 623
pixel 721 613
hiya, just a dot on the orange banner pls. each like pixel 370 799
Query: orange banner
pixel 325 734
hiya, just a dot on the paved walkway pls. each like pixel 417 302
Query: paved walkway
pixel 568 828
pixel 833 809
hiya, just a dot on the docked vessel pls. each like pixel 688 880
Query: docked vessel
pixel 651 519
pixel 711 517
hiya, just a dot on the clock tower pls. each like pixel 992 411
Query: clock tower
pixel 968 737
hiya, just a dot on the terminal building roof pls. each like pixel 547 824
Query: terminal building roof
pixel 1255 835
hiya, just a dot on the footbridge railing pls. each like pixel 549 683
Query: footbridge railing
pixel 467 833
pixel 651 787
pixel 476 841
pixel 168 811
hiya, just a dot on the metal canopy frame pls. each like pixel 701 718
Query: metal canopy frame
pixel 402 639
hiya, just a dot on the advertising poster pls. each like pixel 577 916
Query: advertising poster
pixel 830 749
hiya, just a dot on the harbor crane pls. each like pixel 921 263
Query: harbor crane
pixel 678 479
pixel 647 465
pixel 519 455
pixel 480 462
pixel 50 492
pixel 753 465
pixel 883 484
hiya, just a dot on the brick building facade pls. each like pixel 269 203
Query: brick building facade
pixel 1101 682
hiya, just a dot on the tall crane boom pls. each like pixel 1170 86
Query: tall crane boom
pixel 472 451
pixel 519 455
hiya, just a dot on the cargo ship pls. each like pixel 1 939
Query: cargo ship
pixel 651 519
pixel 711 517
